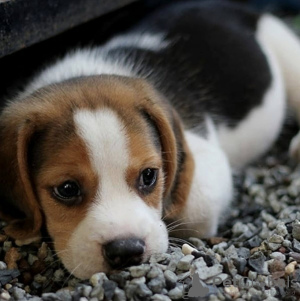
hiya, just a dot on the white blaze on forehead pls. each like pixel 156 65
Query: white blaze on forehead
pixel 106 138
pixel 117 211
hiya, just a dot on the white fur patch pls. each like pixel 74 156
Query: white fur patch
pixel 154 42
pixel 117 211
pixel 211 189
pixel 95 61
pixel 286 47
pixel 256 133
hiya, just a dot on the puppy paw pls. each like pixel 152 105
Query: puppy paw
pixel 294 149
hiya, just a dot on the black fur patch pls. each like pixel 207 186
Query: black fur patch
pixel 212 65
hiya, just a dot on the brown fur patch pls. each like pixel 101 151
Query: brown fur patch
pixel 55 153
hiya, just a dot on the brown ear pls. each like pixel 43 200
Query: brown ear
pixel 17 194
pixel 161 115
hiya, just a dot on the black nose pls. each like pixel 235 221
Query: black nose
pixel 124 252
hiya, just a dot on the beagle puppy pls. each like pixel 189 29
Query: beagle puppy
pixel 109 144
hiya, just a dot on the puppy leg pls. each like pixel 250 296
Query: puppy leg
pixel 211 189
pixel 285 45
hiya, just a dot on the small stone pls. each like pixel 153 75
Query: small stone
pixel 204 271
pixel 32 259
pixel 5 296
pixel 8 275
pixel 39 278
pixel 43 251
pixel 240 264
pixel 97 279
pixel 155 272
pixel 140 270
pixel 295 256
pixel 184 263
pixel 159 257
pixel 98 292
pixel 296 245
pixel 142 291
pixel 252 275
pixel 18 293
pixel 157 284
pixel 171 279
pixel 138 280
pixel 120 278
pixel 3 265
pixel 176 293
pixel 87 290
pixel 290 268
pixel 109 289
pixel 232 291
pixel 160 297
pixel 119 295
pixel 243 252
pixel 281 229
pixel 58 275
pixel 278 255
pixel 187 249
pixel 64 294
pixel 256 261
pixel 7 245
pixel 275 238
pixel 216 240
pixel 11 258
pixel 276 266
pixel 296 230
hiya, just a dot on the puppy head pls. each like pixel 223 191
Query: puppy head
pixel 92 160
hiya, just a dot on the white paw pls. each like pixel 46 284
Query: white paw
pixel 294 149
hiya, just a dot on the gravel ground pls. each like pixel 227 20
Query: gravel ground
pixel 256 255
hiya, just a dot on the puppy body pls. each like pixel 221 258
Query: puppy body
pixel 191 96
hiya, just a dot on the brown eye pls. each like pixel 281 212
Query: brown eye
pixel 147 180
pixel 68 192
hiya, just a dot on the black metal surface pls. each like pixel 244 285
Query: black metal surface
pixel 23 23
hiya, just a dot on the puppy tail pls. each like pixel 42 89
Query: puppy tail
pixel 279 39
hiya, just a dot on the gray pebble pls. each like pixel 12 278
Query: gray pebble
pixel 256 261
pixel 157 284
pixel 176 293
pixel 64 295
pixel 140 270
pixel 58 275
pixel 159 257
pixel 171 279
pixel 3 265
pixel 143 291
pixel 18 293
pixel 155 272
pixel 296 245
pixel 119 295
pixel 296 230
pixel 98 292
pixel 97 279
pixel 184 263
pixel 87 290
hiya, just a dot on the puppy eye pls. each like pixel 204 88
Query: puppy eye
pixel 148 179
pixel 68 192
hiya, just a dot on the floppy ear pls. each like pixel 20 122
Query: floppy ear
pixel 160 113
pixel 18 203
pixel 177 158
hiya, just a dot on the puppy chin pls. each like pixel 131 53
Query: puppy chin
pixel 85 258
